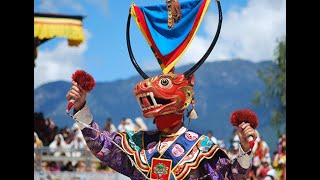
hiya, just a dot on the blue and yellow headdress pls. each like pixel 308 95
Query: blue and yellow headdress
pixel 169 29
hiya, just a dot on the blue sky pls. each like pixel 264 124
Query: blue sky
pixel 250 31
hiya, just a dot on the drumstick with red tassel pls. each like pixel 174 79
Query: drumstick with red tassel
pixel 85 82
pixel 247 116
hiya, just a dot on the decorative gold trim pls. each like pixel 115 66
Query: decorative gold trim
pixel 134 153
pixel 47 20
pixel 188 152
pixel 187 168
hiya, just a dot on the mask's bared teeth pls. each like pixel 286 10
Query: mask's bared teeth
pixel 153 100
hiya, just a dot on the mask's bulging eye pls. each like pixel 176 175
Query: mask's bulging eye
pixel 165 82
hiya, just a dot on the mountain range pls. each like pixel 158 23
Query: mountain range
pixel 221 87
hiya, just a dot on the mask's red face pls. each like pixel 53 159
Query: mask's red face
pixel 164 94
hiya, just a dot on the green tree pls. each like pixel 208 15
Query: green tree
pixel 274 78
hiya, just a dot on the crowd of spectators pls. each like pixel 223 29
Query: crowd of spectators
pixel 70 143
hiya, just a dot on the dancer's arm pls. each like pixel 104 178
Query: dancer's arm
pixel 101 146
pixel 222 167
pixel 240 168
pixel 99 142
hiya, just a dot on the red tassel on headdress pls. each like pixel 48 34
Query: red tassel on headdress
pixel 85 81
pixel 247 116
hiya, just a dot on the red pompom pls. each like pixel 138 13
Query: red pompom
pixel 244 115
pixel 84 80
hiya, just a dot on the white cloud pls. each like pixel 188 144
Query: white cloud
pixel 248 33
pixel 55 6
pixel 60 62
pixel 48 5
pixel 102 5
pixel 149 65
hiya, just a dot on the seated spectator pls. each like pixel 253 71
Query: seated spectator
pixel 121 126
pixel 110 127
pixel 53 166
pixel 68 167
pixel 212 138
pixel 233 152
pixel 59 147
pixel 262 148
pixel 37 141
pixel 141 125
pixel 279 164
pixel 222 145
pixel 263 168
pixel 271 175
pixel 129 125
pixel 45 166
pixel 81 166
pixel 78 141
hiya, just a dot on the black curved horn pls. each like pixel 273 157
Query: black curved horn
pixel 133 60
pixel 213 43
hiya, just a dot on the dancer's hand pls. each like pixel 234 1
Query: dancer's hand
pixel 77 94
pixel 245 130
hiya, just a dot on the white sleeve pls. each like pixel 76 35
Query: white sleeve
pixel 84 115
pixel 245 160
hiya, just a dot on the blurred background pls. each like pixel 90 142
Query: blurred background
pixel 246 69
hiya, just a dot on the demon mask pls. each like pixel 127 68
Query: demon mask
pixel 164 94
